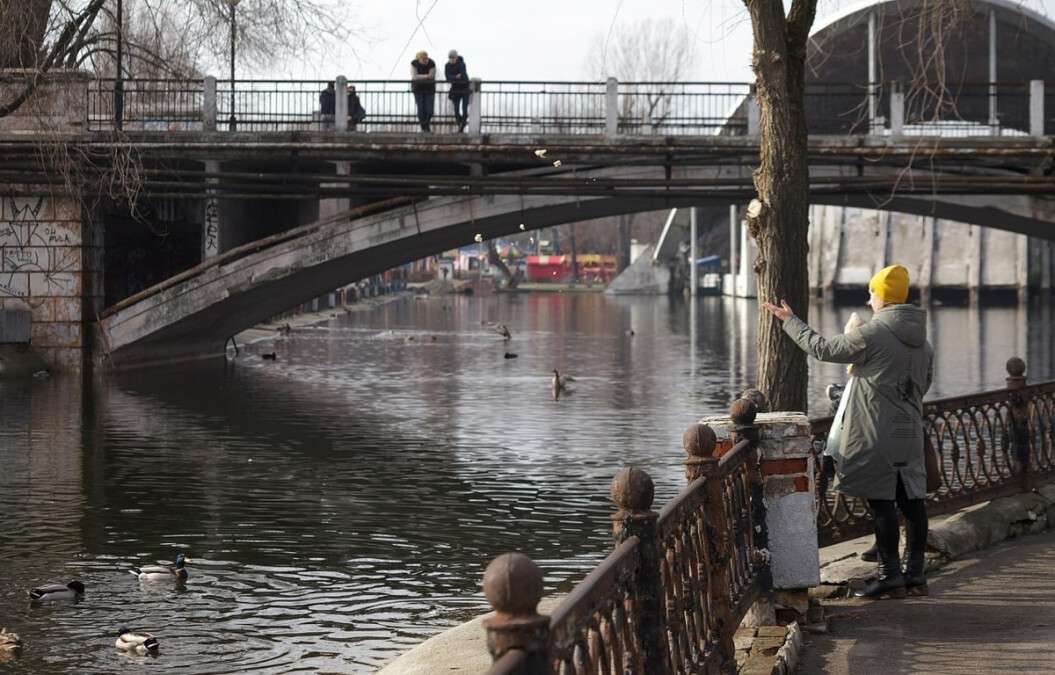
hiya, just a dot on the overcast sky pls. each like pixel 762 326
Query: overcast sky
pixel 532 39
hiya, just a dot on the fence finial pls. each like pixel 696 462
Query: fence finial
pixel 698 442
pixel 513 586
pixel 1016 371
pixel 758 397
pixel 633 490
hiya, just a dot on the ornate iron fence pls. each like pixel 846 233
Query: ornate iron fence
pixel 671 594
pixel 989 445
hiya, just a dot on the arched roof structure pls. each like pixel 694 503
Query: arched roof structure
pixel 943 55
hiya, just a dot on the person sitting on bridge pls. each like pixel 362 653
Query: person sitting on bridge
pixel 880 455
pixel 327 104
pixel 356 111
pixel 423 84
pixel 458 76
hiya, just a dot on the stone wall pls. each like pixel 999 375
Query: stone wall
pixel 49 262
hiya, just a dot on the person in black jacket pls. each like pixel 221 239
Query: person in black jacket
pixel 327 104
pixel 356 111
pixel 423 84
pixel 459 94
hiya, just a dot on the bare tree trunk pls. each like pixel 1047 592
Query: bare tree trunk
pixel 495 259
pixel 22 26
pixel 779 218
pixel 622 246
pixel 574 256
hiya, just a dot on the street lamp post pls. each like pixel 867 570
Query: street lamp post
pixel 119 82
pixel 232 4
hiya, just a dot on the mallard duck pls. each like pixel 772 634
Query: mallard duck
pixel 48 592
pixel 162 572
pixel 269 357
pixel 9 642
pixel 137 642
pixel 559 384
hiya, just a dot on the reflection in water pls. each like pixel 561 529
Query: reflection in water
pixel 340 503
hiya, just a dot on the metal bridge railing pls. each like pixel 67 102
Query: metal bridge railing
pixel 989 445
pixel 670 595
pixel 571 108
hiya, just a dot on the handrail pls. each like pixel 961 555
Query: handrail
pixel 988 445
pixel 669 596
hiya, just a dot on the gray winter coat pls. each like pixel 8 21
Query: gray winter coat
pixel 882 432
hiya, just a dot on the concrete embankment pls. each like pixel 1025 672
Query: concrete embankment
pixel 264 332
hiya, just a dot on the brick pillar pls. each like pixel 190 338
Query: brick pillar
pixel 785 453
pixel 51 262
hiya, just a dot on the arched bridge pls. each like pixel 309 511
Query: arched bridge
pixel 195 312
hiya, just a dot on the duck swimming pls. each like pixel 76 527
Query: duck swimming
pixel 559 384
pixel 137 642
pixel 49 592
pixel 162 572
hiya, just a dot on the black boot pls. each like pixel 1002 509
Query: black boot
pixel 890 583
pixel 915 574
pixel 871 554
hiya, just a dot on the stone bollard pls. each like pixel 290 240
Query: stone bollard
pixel 513 586
pixel 784 445
pixel 1019 420
pixel 633 492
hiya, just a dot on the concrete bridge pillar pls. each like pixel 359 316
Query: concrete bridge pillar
pixel 210 229
pixel 51 262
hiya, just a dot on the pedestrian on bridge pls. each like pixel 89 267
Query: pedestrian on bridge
pixel 423 84
pixel 459 94
pixel 880 455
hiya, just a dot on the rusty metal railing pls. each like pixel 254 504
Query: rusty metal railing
pixel 989 445
pixel 670 596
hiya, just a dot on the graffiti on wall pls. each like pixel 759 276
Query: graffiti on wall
pixel 39 256
pixel 211 241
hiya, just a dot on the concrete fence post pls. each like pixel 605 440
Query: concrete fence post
pixel 611 107
pixel 897 109
pixel 513 586
pixel 340 108
pixel 785 451
pixel 208 104
pixel 1036 107
pixel 754 115
pixel 475 107
pixel 633 492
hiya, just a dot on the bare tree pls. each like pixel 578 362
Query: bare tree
pixel 162 39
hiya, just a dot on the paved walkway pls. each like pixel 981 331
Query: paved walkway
pixel 990 612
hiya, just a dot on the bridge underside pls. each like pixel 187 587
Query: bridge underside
pixel 193 317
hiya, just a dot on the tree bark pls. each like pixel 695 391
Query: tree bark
pixel 22 27
pixel 495 259
pixel 779 218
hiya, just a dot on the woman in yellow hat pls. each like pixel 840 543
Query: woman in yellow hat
pixel 880 453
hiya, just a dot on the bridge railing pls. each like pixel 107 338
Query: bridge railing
pixel 988 445
pixel 673 591
pixel 573 108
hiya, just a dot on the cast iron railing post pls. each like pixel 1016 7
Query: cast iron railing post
pixel 743 413
pixel 513 586
pixel 632 492
pixel 1020 436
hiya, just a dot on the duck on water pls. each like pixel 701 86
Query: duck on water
pixel 178 571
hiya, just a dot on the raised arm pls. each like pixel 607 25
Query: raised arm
pixel 842 348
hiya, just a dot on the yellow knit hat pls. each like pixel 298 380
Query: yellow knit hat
pixel 890 284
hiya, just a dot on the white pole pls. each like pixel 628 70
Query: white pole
pixel 872 93
pixel 692 252
pixel 993 121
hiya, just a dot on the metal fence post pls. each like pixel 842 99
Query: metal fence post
pixel 633 491
pixel 1020 432
pixel 897 109
pixel 475 107
pixel 340 107
pixel 698 442
pixel 208 104
pixel 1036 107
pixel 611 107
pixel 513 586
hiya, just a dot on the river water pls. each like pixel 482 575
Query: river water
pixel 339 504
